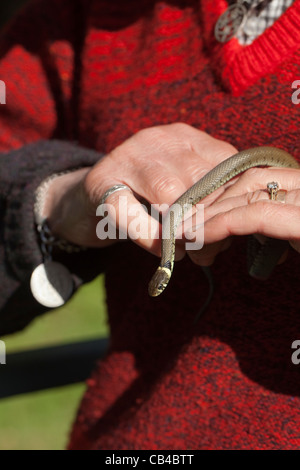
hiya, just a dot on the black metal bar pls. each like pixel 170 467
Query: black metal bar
pixel 39 369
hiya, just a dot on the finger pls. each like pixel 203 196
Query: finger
pixel 124 217
pixel 269 218
pixel 218 211
pixel 256 179
pixel 226 204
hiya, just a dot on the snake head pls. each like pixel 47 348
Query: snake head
pixel 159 281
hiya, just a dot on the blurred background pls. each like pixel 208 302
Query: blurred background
pixel 7 9
pixel 42 420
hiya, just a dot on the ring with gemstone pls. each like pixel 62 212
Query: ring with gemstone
pixel 276 194
pixel 272 190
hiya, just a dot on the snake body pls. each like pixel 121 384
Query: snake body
pixel 214 179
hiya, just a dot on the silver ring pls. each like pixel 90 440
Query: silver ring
pixel 113 189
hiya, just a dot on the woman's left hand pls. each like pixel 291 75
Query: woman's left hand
pixel 245 208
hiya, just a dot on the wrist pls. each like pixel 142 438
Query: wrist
pixel 63 202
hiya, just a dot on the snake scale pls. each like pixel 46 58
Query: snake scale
pixel 214 179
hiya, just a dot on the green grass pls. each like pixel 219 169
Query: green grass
pixel 42 420
pixel 39 421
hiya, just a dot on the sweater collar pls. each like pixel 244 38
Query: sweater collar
pixel 241 66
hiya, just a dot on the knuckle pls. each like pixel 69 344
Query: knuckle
pixel 168 185
pixel 256 196
pixel 196 172
pixel 267 212
pixel 253 173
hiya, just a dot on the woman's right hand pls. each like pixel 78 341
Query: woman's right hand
pixel 158 164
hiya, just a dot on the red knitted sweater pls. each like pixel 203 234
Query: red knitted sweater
pixel 98 71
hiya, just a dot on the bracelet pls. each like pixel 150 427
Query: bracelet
pixel 48 240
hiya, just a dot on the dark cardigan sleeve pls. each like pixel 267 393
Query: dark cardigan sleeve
pixel 40 63
pixel 21 172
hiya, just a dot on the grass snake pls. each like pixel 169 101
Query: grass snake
pixel 263 258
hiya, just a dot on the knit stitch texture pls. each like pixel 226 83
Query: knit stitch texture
pixel 93 73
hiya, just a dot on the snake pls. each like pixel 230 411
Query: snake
pixel 226 170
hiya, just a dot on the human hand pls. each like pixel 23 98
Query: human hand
pixel 245 208
pixel 158 164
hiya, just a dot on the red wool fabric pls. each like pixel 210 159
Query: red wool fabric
pixel 99 71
